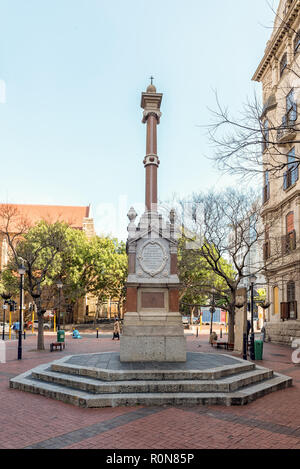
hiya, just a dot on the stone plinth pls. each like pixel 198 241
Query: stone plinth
pixel 153 329
pixel 153 337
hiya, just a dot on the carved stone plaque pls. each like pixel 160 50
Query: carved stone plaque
pixel 153 300
pixel 153 258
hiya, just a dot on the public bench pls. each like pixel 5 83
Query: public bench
pixel 55 345
pixel 222 343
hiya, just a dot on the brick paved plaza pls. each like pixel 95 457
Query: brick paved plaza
pixel 32 421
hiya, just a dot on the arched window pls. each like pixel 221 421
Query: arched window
pixel 265 135
pixel 266 189
pixel 291 300
pixel 289 222
pixel 297 42
pixel 291 176
pixel 283 63
pixel 289 239
pixel 275 300
pixel 291 291
pixel 291 108
pixel 267 244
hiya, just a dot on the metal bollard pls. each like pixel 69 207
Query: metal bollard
pixel 97 333
pixel 245 347
pixel 24 334
pixel 252 353
pixel 221 334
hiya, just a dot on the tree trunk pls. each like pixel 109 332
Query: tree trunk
pixel 231 326
pixel 191 315
pixel 40 339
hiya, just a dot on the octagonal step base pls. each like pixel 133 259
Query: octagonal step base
pixel 236 384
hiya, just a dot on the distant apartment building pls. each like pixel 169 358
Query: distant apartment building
pixel 279 73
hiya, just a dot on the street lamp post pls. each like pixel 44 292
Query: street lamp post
pixel 5 305
pixel 252 353
pixel 59 286
pixel 212 311
pixel 21 271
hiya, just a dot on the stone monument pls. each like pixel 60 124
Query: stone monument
pixel 240 326
pixel 153 329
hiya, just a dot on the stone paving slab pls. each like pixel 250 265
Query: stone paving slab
pixel 195 361
pixel 107 366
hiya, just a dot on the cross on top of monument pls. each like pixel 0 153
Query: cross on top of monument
pixel 151 88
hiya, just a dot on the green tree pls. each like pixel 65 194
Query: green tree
pixel 39 250
pixel 198 280
pixel 52 252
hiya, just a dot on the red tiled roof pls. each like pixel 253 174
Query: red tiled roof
pixel 51 213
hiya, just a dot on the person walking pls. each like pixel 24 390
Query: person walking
pixel 263 331
pixel 116 333
pixel 16 328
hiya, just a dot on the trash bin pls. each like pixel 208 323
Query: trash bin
pixel 258 349
pixel 60 336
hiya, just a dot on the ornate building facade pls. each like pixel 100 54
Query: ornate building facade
pixel 279 73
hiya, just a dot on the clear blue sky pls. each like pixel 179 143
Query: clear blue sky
pixel 70 129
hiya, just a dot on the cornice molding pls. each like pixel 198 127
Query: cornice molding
pixel 281 204
pixel 276 41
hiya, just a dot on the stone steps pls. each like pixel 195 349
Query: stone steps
pixel 152 375
pixel 93 386
pixel 26 382
pixel 101 380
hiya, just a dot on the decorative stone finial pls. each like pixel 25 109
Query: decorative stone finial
pixel 131 227
pixel 172 216
pixel 151 89
pixel 132 215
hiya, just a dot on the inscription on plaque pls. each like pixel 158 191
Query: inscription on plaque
pixel 153 300
pixel 153 258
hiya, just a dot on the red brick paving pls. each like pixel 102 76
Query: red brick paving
pixel 27 419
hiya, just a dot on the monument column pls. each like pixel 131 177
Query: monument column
pixel 151 102
pixel 153 329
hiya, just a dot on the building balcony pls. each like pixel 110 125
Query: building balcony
pixel 286 134
pixel 289 243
